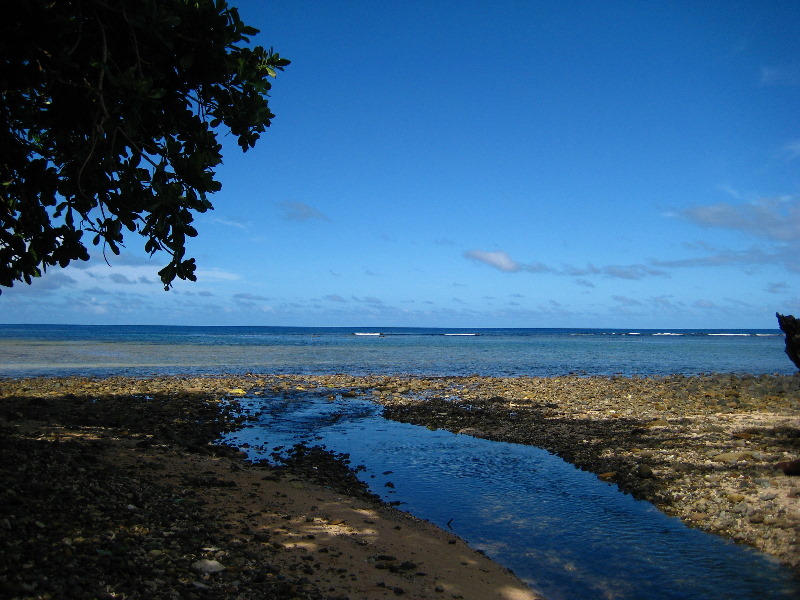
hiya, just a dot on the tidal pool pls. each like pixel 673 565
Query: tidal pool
pixel 564 532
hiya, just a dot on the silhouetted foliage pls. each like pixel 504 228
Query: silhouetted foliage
pixel 109 117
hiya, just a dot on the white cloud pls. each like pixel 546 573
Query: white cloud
pixel 627 301
pixel 590 269
pixel 771 76
pixel 300 211
pixel 369 300
pixel 499 260
pixel 772 218
pixel 95 291
pixel 503 262
pixel 50 281
pixel 207 275
pixel 120 278
pixel 792 149
pixel 787 257
pixel 777 288
pixel 247 301
pixel 704 304
pixel 631 271
pixel 246 296
pixel 230 223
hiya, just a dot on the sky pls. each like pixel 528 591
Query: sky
pixel 491 164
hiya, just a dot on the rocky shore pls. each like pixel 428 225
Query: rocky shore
pixel 708 449
pixel 115 489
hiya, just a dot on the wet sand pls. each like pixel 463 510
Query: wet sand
pixel 115 489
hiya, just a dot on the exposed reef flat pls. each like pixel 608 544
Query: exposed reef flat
pixel 707 449
pixel 115 485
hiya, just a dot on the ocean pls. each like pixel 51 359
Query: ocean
pixel 60 350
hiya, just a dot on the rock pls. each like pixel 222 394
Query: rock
pixel 791 467
pixel 729 456
pixel 740 508
pixel 697 516
pixel 791 327
pixel 644 471
pixel 208 566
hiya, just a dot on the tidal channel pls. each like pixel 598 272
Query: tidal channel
pixel 563 531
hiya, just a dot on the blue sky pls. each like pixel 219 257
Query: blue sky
pixel 492 164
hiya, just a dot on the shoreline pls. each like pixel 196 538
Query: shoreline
pixel 705 449
pixel 701 448
pixel 115 489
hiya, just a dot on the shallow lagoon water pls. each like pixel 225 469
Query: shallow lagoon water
pixel 563 531
pixel 29 350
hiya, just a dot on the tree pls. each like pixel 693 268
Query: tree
pixel 109 117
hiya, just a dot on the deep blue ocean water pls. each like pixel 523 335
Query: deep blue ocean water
pixel 27 350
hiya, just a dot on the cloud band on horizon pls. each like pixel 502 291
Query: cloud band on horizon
pixel 501 261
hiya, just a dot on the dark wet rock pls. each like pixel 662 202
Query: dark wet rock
pixel 644 471
pixel 326 468
pixel 74 526
pixel 791 467
pixel 791 327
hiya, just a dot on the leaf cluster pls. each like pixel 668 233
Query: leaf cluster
pixel 110 112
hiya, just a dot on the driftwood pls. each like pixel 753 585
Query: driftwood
pixel 791 327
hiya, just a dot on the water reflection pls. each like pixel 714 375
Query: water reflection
pixel 562 530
